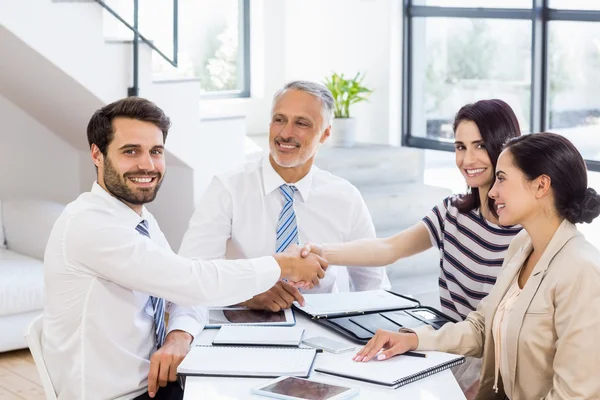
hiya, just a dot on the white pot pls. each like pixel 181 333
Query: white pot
pixel 343 132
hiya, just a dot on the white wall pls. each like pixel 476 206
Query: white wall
pixel 70 35
pixel 174 204
pixel 35 162
pixel 208 146
pixel 345 36
pixel 308 39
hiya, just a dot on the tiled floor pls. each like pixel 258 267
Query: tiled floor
pixel 18 376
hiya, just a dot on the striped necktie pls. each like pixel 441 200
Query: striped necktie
pixel 158 304
pixel 287 227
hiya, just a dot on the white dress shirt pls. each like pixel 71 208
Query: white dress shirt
pixel 238 214
pixel 98 330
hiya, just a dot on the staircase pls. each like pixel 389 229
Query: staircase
pixel 391 182
pixel 59 68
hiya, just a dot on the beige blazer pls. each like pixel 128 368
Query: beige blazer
pixel 553 334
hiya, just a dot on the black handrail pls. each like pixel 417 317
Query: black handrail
pixel 137 37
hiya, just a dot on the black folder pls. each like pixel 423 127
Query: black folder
pixel 360 326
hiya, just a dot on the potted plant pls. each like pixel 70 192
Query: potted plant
pixel 345 93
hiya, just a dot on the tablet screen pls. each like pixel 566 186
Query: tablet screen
pixel 304 389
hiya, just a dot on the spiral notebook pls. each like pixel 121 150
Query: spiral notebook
pixel 265 362
pixel 394 372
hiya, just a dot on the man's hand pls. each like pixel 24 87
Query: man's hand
pixel 305 251
pixel 164 362
pixel 297 269
pixel 279 297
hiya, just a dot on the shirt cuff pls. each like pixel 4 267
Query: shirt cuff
pixel 268 273
pixel 185 323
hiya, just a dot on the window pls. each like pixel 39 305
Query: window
pixel 575 4
pixel 458 61
pixel 574 84
pixel 212 41
pixel 476 3
pixel 544 63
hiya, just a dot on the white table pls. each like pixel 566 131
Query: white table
pixel 441 386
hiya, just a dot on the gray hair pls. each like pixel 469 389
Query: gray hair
pixel 318 90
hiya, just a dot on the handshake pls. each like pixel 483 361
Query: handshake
pixel 302 267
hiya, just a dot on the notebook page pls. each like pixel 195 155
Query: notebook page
pixel 350 302
pixel 387 371
pixel 252 361
pixel 267 335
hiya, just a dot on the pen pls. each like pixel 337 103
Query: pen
pixel 413 354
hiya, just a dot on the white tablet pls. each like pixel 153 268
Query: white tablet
pixel 219 316
pixel 290 388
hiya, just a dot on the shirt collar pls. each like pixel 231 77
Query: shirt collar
pixel 123 209
pixel 272 180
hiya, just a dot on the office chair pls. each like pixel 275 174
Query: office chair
pixel 34 341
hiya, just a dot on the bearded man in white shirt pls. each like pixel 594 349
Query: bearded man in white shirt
pixel 283 199
pixel 110 272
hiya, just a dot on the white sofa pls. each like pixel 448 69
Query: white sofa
pixel 24 230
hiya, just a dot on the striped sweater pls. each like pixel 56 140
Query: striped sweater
pixel 471 254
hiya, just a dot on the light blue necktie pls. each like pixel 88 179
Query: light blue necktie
pixel 158 304
pixel 287 227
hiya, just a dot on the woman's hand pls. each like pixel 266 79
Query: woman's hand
pixel 392 343
pixel 312 248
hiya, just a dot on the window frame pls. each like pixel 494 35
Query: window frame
pixel 243 58
pixel 539 14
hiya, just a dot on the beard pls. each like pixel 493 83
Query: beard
pixel 280 159
pixel 117 185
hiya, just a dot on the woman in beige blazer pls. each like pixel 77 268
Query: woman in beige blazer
pixel 538 330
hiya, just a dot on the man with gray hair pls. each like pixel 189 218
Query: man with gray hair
pixel 284 200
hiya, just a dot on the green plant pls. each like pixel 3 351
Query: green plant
pixel 346 92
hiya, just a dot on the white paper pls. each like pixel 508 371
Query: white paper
pixel 250 361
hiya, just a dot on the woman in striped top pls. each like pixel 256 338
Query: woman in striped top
pixel 464 228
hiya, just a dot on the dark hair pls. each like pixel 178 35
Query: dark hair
pixel 555 156
pixel 497 123
pixel 100 128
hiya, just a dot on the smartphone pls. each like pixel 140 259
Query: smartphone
pixel 429 317
pixel 327 344
pixel 291 388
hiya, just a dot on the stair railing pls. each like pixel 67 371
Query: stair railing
pixel 138 37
